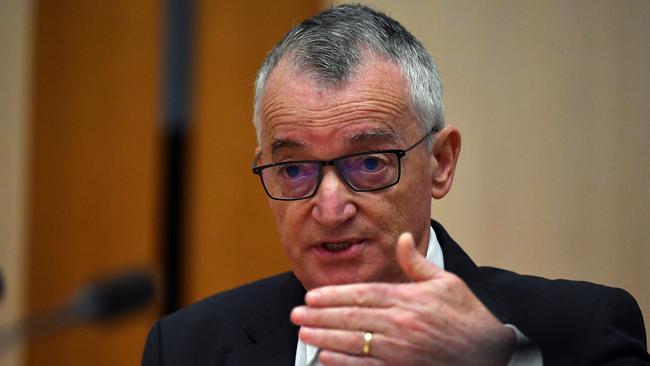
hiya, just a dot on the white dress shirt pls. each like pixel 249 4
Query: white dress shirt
pixel 526 356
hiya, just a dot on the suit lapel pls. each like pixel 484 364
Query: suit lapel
pixel 274 336
pixel 459 263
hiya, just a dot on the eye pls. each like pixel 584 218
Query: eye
pixel 371 163
pixel 370 171
pixel 292 171
pixel 297 171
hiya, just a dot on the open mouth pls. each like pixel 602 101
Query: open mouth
pixel 348 247
pixel 336 247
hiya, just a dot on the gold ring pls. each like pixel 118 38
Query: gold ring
pixel 367 337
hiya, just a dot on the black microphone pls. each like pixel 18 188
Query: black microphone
pixel 106 299
pixel 99 301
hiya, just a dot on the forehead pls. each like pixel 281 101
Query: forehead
pixel 373 102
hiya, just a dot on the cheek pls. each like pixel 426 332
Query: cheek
pixel 288 221
pixel 387 213
pixel 418 182
pixel 408 205
pixel 279 211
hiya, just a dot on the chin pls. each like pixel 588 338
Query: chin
pixel 312 282
pixel 343 278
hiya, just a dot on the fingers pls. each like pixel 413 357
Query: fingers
pixel 340 347
pixel 362 295
pixel 352 318
pixel 330 358
pixel 336 317
pixel 346 341
pixel 416 267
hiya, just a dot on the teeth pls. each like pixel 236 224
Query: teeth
pixel 335 247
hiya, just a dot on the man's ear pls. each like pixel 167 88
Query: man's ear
pixel 257 155
pixel 446 149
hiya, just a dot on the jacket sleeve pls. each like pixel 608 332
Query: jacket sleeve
pixel 614 333
pixel 151 355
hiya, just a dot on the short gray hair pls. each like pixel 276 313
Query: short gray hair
pixel 331 44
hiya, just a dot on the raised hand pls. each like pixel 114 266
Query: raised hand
pixel 433 320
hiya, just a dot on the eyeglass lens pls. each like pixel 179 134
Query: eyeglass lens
pixel 291 180
pixel 361 172
pixel 369 171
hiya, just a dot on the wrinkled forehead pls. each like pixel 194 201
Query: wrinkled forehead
pixel 370 104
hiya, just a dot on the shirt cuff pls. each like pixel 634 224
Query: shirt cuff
pixel 526 354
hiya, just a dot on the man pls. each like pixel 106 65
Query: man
pixel 352 149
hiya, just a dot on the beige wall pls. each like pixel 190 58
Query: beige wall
pixel 553 99
pixel 15 17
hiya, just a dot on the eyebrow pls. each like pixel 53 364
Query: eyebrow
pixel 281 143
pixel 374 135
pixel 368 136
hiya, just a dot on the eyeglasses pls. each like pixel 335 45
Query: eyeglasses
pixel 362 172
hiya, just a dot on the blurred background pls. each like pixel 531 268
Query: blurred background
pixel 126 140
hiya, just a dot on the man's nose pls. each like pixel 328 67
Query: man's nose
pixel 333 201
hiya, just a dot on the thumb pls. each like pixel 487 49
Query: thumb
pixel 415 265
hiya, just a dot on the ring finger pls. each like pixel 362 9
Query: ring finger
pixel 346 341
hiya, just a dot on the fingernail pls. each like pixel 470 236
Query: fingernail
pixel 298 313
pixel 305 332
pixel 312 296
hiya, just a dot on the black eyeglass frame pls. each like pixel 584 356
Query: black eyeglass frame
pixel 400 153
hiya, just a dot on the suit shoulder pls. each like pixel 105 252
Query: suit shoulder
pixel 542 290
pixel 587 322
pixel 205 332
pixel 231 303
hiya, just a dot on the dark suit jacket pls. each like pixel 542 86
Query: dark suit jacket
pixel 573 323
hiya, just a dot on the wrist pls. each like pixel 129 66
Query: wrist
pixel 506 345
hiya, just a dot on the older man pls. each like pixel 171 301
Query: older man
pixel 352 149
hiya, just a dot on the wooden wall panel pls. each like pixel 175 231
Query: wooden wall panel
pixel 15 74
pixel 94 164
pixel 231 235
